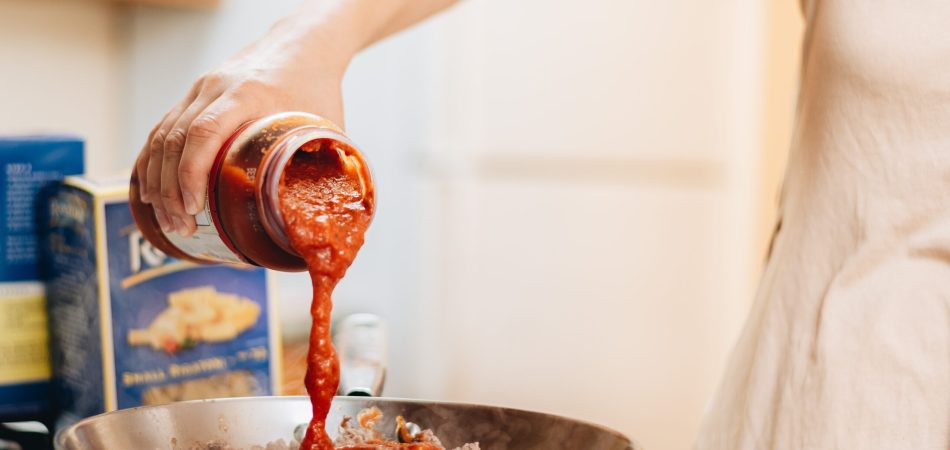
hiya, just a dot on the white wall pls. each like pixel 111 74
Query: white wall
pixel 59 72
pixel 591 195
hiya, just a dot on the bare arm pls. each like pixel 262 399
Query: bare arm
pixel 297 66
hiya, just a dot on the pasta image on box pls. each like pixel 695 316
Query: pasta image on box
pixel 196 315
pixel 131 326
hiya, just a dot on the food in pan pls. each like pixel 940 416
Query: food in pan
pixel 196 315
pixel 279 444
pixel 360 434
pixel 364 435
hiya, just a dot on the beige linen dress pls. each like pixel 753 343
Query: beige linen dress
pixel 848 343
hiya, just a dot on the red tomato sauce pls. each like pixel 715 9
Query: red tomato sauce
pixel 326 215
pixel 325 220
pixel 385 445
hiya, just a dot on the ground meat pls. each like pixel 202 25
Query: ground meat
pixel 359 434
pixel 365 435
pixel 279 444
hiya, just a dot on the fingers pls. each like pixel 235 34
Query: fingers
pixel 155 145
pixel 206 135
pixel 153 169
pixel 175 142
pixel 141 165
pixel 174 166
pixel 149 166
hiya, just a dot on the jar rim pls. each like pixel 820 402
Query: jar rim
pixel 272 170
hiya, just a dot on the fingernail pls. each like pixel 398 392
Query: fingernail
pixel 162 220
pixel 178 225
pixel 189 226
pixel 191 203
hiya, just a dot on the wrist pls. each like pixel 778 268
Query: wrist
pixel 331 30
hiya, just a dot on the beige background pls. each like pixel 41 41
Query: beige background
pixel 575 197
pixel 61 72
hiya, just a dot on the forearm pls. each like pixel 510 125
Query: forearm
pixel 297 66
pixel 344 27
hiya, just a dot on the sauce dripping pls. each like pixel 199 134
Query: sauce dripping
pixel 326 215
pixel 325 219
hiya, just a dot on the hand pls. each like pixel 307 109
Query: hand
pixel 286 71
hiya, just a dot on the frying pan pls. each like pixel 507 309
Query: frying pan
pixel 249 421
pixel 255 421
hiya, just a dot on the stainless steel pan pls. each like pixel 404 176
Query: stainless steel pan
pixel 244 422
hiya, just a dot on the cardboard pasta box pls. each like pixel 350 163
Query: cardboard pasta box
pixel 131 326
pixel 29 164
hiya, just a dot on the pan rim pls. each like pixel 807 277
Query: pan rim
pixel 60 436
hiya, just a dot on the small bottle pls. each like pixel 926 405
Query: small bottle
pixel 241 222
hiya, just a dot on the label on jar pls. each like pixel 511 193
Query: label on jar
pixel 206 243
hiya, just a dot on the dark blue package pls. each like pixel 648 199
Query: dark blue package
pixel 131 326
pixel 29 165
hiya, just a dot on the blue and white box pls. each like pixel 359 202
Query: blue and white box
pixel 131 326
pixel 30 164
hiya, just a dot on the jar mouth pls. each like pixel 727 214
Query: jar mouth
pixel 272 170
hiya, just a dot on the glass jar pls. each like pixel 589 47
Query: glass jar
pixel 242 222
